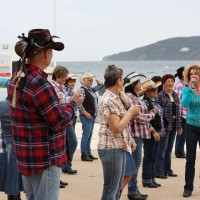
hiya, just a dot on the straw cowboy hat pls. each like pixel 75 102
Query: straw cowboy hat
pixel 72 76
pixel 132 77
pixel 37 40
pixel 86 75
pixel 148 85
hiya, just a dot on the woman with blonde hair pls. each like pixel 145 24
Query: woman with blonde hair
pixel 191 100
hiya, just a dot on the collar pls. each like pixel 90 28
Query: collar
pixel 30 67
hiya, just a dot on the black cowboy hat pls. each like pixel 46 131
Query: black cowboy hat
pixel 179 72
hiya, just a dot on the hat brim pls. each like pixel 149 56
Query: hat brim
pixel 133 78
pixel 84 77
pixel 142 91
pixel 19 48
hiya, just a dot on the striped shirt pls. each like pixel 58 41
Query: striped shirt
pixel 38 123
pixel 178 89
pixel 111 104
pixel 140 124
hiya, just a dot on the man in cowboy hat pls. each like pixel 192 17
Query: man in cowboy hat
pixel 180 139
pixel 38 122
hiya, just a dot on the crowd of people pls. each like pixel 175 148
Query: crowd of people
pixel 139 122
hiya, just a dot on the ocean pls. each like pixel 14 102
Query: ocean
pixel 148 68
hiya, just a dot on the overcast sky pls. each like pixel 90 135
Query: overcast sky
pixel 92 29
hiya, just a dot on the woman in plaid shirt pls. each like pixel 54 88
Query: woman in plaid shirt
pixel 115 141
pixel 140 129
pixel 169 101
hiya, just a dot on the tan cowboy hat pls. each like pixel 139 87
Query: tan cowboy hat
pixel 148 85
pixel 86 75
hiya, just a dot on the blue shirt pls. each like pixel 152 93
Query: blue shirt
pixel 192 102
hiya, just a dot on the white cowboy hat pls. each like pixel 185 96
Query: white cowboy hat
pixel 133 76
pixel 148 85
pixel 72 76
pixel 86 75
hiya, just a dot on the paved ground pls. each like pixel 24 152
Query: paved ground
pixel 88 183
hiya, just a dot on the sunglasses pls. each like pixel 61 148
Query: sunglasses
pixel 153 90
pixel 90 80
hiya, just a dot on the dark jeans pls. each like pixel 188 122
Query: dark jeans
pixel 180 141
pixel 137 155
pixel 71 144
pixel 192 138
pixel 168 153
pixel 160 155
pixel 148 172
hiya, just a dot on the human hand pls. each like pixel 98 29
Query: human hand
pixel 133 145
pixel 88 115
pixel 156 137
pixel 135 110
pixel 180 131
pixel 78 97
pixel 154 110
pixel 70 123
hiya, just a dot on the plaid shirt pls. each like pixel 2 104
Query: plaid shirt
pixel 92 92
pixel 178 89
pixel 164 100
pixel 111 104
pixel 38 123
pixel 141 125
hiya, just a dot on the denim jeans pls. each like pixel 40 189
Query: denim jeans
pixel 192 138
pixel 13 179
pixel 180 140
pixel 148 160
pixel 3 171
pixel 160 155
pixel 137 155
pixel 43 186
pixel 71 145
pixel 87 127
pixel 168 153
pixel 114 164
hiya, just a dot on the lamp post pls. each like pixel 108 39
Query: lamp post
pixel 54 29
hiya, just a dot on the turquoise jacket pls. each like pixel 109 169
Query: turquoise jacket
pixel 192 102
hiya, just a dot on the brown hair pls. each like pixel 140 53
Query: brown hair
pixel 59 71
pixel 186 72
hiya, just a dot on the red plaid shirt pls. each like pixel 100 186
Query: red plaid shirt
pixel 38 123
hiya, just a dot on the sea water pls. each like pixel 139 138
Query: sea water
pixel 148 68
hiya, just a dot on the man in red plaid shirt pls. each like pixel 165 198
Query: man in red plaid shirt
pixel 38 121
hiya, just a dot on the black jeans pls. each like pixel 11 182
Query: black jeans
pixel 192 138
pixel 180 140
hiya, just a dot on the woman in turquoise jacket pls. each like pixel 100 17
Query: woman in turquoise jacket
pixel 191 100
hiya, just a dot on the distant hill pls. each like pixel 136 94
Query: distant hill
pixel 179 48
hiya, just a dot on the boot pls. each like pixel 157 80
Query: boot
pixel 85 157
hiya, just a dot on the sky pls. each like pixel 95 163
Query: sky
pixel 92 29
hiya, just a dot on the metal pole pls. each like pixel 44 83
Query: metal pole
pixel 54 29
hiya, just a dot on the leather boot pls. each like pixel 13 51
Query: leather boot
pixel 85 157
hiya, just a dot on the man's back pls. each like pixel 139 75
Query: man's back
pixel 38 123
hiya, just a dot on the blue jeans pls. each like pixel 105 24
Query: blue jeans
pixel 168 153
pixel 13 179
pixel 148 160
pixel 43 186
pixel 87 127
pixel 160 155
pixel 71 145
pixel 137 155
pixel 180 140
pixel 114 164
pixel 192 138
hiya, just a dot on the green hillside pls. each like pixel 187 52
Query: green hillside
pixel 180 48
